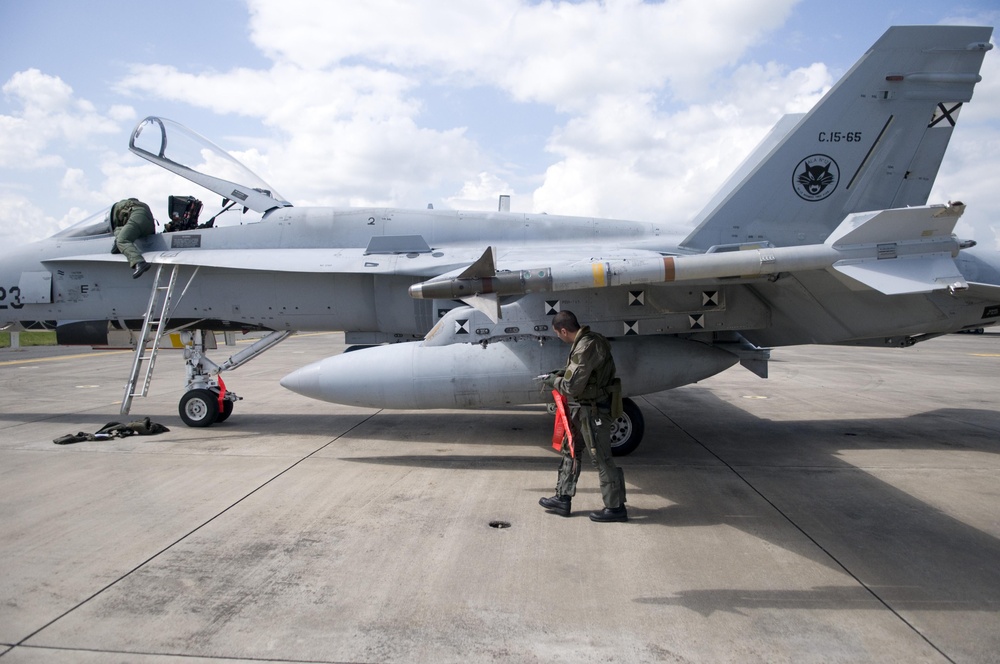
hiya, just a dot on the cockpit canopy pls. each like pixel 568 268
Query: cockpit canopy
pixel 96 224
pixel 184 152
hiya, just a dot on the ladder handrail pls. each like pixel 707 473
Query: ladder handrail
pixel 164 317
pixel 148 324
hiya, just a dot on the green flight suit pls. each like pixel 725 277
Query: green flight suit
pixel 588 381
pixel 131 219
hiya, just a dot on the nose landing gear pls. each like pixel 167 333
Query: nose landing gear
pixel 207 401
pixel 201 407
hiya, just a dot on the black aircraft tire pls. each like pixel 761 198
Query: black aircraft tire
pixel 199 408
pixel 227 410
pixel 627 430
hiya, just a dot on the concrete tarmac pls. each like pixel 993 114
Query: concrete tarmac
pixel 844 510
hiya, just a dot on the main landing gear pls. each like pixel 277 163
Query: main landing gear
pixel 206 400
pixel 626 431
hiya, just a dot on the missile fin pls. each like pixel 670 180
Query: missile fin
pixel 488 303
pixel 906 275
pixel 897 225
pixel 485 266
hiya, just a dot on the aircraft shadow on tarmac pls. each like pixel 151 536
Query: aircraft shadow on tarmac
pixel 705 462
pixel 786 483
pixel 732 600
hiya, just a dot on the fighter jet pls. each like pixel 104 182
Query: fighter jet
pixel 824 235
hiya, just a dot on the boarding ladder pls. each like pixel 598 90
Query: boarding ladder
pixel 152 327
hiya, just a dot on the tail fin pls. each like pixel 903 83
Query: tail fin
pixel 875 141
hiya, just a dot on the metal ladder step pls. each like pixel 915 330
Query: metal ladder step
pixel 151 327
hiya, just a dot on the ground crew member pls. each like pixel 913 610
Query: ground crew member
pixel 130 220
pixel 588 381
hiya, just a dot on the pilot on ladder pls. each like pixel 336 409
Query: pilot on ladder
pixel 130 220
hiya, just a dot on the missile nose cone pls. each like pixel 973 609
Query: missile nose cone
pixel 305 381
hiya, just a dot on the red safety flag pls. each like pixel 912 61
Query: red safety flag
pixel 562 429
pixel 222 392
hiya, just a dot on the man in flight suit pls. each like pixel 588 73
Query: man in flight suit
pixel 130 220
pixel 588 381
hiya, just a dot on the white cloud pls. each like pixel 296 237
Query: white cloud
pixel 49 119
pixel 627 158
pixel 38 93
pixel 22 148
pixel 481 193
pixel 75 184
pixel 343 94
pixel 558 53
pixel 986 98
pixel 965 177
pixel 967 172
pixel 650 107
pixel 49 130
pixel 347 136
pixel 122 114
pixel 23 221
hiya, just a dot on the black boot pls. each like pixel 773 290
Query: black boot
pixel 139 269
pixel 609 514
pixel 558 504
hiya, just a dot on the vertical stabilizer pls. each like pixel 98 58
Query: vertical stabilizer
pixel 874 141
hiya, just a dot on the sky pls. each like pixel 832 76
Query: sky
pixel 622 108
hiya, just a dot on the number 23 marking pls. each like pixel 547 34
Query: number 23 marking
pixel 15 294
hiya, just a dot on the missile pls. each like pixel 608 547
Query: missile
pixel 413 375
pixel 907 250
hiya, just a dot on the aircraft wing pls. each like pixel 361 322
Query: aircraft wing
pixel 315 261
pixel 437 264
pixel 984 291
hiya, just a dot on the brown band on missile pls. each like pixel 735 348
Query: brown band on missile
pixel 487 284
pixel 669 271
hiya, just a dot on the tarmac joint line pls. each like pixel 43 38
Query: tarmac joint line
pixel 183 537
pixel 799 528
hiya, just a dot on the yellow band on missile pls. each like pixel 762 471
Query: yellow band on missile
pixel 598 269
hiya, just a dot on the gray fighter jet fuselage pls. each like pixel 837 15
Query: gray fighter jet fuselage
pixel 823 235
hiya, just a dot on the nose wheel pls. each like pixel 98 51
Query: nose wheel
pixel 200 408
pixel 227 410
